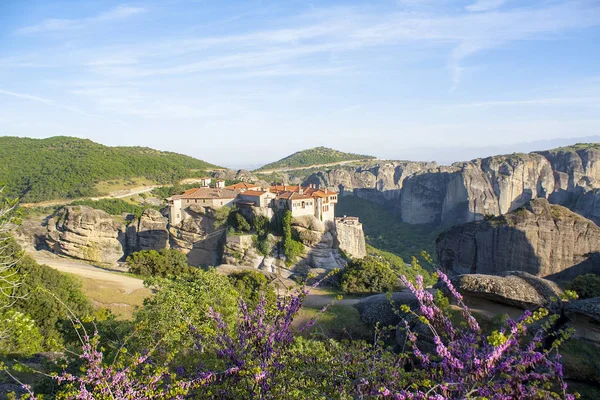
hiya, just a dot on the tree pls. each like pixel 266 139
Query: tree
pixel 291 248
pixel 251 286
pixel 586 286
pixel 178 311
pixel 368 275
pixel 160 263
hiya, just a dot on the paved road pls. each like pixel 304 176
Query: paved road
pixel 127 283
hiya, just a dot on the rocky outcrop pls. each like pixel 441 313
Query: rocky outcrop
pixel 148 232
pixel 199 239
pixel 589 205
pixel 381 309
pixel 542 239
pixel 350 237
pixel 425 193
pixel 585 316
pixel 85 233
pixel 513 288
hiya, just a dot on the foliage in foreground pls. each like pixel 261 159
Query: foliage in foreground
pixel 258 356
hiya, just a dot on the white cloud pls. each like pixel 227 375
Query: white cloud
pixel 57 25
pixel 485 5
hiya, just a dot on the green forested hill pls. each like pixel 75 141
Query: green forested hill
pixel 314 156
pixel 66 167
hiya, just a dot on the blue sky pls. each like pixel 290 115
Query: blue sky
pixel 240 83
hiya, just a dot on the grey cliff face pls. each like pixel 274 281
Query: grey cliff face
pixel 541 239
pixel 424 193
pixel 149 232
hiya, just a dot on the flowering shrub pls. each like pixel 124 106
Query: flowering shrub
pixel 262 358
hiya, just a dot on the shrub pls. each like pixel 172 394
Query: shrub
pixel 368 275
pixel 586 286
pixel 241 223
pixel 251 286
pixel 42 296
pixel 160 263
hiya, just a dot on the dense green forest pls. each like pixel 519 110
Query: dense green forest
pixel 66 167
pixel 314 156
pixel 384 230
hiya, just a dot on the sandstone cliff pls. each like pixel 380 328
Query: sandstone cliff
pixel 148 232
pixel 425 193
pixel 199 238
pixel 542 239
pixel 85 233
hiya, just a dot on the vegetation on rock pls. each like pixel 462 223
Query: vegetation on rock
pixel 161 263
pixel 384 230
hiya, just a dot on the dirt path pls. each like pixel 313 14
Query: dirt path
pixel 319 299
pixel 126 283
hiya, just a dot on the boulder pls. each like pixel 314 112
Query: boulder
pixel 87 234
pixel 540 238
pixel 585 316
pixel 382 309
pixel 513 288
pixel 148 232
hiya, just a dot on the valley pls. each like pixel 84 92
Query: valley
pixel 512 232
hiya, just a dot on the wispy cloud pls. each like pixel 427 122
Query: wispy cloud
pixel 549 101
pixel 56 24
pixel 50 103
pixel 485 5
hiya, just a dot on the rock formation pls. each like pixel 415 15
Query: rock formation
pixel 381 309
pixel 148 232
pixel 513 288
pixel 425 193
pixel 350 237
pixel 542 239
pixel 85 233
pixel 589 205
pixel 198 238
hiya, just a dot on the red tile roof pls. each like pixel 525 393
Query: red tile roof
pixel 207 193
pixel 288 195
pixel 241 185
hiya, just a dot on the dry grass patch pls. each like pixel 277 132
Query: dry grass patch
pixel 105 294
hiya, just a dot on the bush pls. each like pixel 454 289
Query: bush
pixel 43 294
pixel 251 285
pixel 586 286
pixel 241 223
pixel 368 275
pixel 160 263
